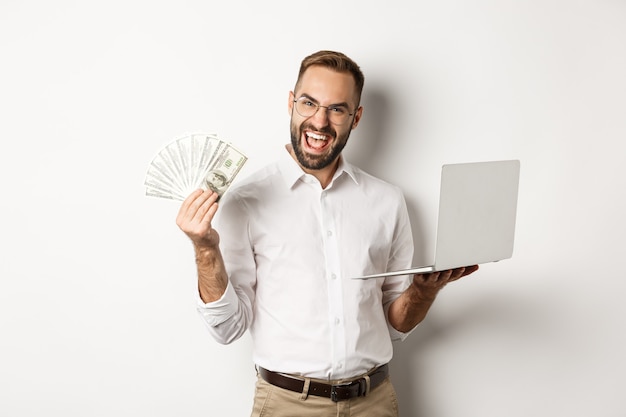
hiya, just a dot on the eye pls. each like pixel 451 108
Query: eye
pixel 308 103
pixel 338 109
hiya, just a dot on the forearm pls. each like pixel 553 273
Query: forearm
pixel 212 277
pixel 408 310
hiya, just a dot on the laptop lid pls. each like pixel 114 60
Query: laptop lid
pixel 477 212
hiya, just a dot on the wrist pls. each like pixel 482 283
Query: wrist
pixel 206 252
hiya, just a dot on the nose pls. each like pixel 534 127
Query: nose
pixel 321 116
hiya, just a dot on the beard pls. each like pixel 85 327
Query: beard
pixel 315 162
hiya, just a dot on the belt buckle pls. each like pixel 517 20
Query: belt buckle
pixel 334 395
pixel 362 387
pixel 333 392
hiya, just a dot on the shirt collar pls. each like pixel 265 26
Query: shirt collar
pixel 292 172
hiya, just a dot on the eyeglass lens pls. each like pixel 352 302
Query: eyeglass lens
pixel 336 114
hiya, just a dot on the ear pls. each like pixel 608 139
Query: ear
pixel 357 117
pixel 292 97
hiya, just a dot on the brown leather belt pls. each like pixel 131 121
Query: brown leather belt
pixel 338 392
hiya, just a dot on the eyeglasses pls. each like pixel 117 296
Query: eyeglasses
pixel 337 114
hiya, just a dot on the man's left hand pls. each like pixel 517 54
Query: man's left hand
pixel 430 284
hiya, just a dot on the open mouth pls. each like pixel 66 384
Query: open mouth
pixel 316 142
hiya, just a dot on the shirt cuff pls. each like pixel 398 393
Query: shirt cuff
pixel 396 335
pixel 218 311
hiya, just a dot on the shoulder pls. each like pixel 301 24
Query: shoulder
pixel 257 178
pixel 252 186
pixel 372 184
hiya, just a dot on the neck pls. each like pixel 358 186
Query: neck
pixel 323 175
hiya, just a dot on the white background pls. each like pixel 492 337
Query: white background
pixel 97 314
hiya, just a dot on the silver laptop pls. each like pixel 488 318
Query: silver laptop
pixel 476 221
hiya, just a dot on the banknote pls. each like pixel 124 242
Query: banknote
pixel 192 162
pixel 224 169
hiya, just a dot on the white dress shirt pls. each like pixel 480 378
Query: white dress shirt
pixel 291 248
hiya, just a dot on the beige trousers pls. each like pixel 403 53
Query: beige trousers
pixel 272 401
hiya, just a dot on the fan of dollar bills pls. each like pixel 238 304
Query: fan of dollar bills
pixel 192 162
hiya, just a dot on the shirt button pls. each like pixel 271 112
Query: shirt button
pixel 333 276
pixel 337 321
pixel 329 233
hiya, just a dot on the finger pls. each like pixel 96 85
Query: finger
pixel 443 276
pixel 470 269
pixel 456 274
pixel 195 208
pixel 200 205
pixel 467 270
pixel 433 280
pixel 431 277
pixel 205 213
pixel 462 272
pixel 183 212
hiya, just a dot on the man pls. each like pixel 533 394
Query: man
pixel 290 237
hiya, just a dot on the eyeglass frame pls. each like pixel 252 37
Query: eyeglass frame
pixel 317 108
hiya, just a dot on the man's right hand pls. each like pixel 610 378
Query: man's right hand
pixel 195 216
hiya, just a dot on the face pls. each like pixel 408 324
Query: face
pixel 317 143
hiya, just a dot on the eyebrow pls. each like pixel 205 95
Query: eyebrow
pixel 344 104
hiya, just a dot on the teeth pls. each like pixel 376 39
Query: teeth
pixel 315 136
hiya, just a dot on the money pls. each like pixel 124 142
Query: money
pixel 224 170
pixel 192 162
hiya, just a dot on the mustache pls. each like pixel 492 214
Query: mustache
pixel 325 130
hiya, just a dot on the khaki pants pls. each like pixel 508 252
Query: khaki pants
pixel 272 401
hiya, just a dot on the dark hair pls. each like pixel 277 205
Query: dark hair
pixel 337 62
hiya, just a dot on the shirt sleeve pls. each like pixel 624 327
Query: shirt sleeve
pixel 401 256
pixel 229 317
pixel 224 319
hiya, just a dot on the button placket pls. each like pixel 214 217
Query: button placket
pixel 334 285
